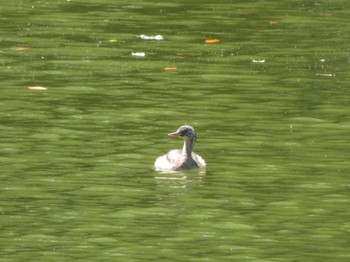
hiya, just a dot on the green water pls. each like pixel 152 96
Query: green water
pixel 77 182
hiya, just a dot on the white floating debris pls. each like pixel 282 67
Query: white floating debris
pixel 325 74
pixel 156 37
pixel 258 61
pixel 138 54
pixel 37 88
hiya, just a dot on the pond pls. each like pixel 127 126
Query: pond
pixel 86 106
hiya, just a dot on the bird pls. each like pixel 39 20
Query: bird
pixel 181 159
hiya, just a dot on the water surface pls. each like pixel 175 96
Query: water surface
pixel 77 176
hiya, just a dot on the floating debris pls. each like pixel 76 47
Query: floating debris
pixel 169 68
pixel 325 14
pixel 22 48
pixel 37 88
pixel 180 54
pixel 113 41
pixel 273 22
pixel 211 41
pixel 319 74
pixel 156 37
pixel 138 54
pixel 258 61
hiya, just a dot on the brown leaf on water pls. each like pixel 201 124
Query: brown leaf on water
pixel 325 14
pixel 21 48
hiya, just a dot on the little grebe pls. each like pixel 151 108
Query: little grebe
pixel 180 159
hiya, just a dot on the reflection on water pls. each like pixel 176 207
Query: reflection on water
pixel 77 180
pixel 180 179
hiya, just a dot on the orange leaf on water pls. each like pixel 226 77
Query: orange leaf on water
pixel 180 54
pixel 169 68
pixel 273 22
pixel 211 41
pixel 37 88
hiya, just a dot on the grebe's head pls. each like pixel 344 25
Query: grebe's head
pixel 185 132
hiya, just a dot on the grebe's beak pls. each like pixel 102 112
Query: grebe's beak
pixel 174 134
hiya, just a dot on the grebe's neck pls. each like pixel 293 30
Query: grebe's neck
pixel 188 147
